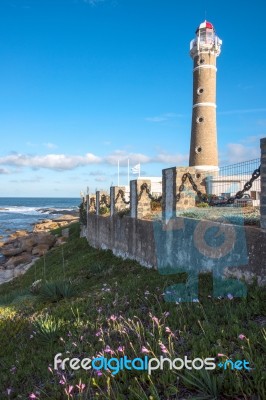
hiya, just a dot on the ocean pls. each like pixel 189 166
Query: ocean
pixel 23 213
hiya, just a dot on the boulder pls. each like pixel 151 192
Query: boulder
pixel 67 218
pixel 23 258
pixel 27 243
pixel 18 234
pixel 40 249
pixel 45 226
pixel 61 240
pixel 45 238
pixel 11 248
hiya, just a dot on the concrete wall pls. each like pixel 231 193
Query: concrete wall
pixel 263 183
pixel 141 240
pixel 125 236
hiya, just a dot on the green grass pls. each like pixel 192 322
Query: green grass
pixel 233 215
pixel 96 302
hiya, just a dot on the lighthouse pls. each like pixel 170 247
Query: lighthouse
pixel 204 49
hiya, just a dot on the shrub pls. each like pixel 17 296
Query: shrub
pixel 202 205
pixel 83 213
pixel 104 210
pixel 47 328
pixel 56 291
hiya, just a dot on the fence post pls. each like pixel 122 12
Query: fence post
pixel 139 207
pixel 263 184
pixel 116 204
pixel 172 180
pixel 98 202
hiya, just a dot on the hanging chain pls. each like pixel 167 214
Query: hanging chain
pixel 93 202
pixel 247 186
pixel 121 193
pixel 205 199
pixel 143 187
pixel 103 201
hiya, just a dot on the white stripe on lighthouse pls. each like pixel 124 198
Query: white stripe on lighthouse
pixel 208 104
pixel 205 66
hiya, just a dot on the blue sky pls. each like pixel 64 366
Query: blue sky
pixel 85 83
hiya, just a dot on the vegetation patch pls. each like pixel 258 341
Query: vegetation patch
pixel 89 303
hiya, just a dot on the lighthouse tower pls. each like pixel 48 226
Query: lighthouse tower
pixel 203 145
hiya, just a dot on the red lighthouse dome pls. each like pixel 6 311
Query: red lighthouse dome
pixel 205 25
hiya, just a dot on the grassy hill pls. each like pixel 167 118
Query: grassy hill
pixel 89 303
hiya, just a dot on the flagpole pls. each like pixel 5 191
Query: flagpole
pixel 139 170
pixel 118 173
pixel 128 171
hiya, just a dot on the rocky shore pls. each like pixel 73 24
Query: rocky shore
pixel 22 248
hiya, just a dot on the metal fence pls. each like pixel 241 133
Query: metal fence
pixel 230 179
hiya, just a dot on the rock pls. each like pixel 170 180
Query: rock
pixel 45 238
pixel 45 226
pixel 7 275
pixel 66 218
pixel 24 258
pixel 22 244
pixel 27 243
pixel 40 249
pixel 11 248
pixel 48 224
pixel 18 234
pixel 61 240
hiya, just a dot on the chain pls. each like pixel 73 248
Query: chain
pixel 122 194
pixel 247 186
pixel 93 202
pixel 143 187
pixel 103 201
pixel 204 198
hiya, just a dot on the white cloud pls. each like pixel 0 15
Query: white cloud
pixel 245 111
pixel 253 139
pixel 156 119
pixel 50 161
pixel 50 145
pixel 62 162
pixel 96 173
pixel 237 152
pixel 34 179
pixel 100 179
pixel 163 117
pixel 4 171
pixel 123 157
pixel 173 159
pixel 93 2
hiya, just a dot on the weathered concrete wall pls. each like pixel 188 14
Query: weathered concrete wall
pixel 126 237
pixel 147 242
pixel 263 183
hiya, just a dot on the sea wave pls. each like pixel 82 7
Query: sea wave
pixel 20 210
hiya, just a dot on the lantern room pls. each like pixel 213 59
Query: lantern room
pixel 205 40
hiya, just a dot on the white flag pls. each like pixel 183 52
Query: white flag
pixel 136 169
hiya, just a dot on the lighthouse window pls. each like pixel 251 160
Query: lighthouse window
pixel 200 120
pixel 198 149
pixel 201 61
pixel 200 90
